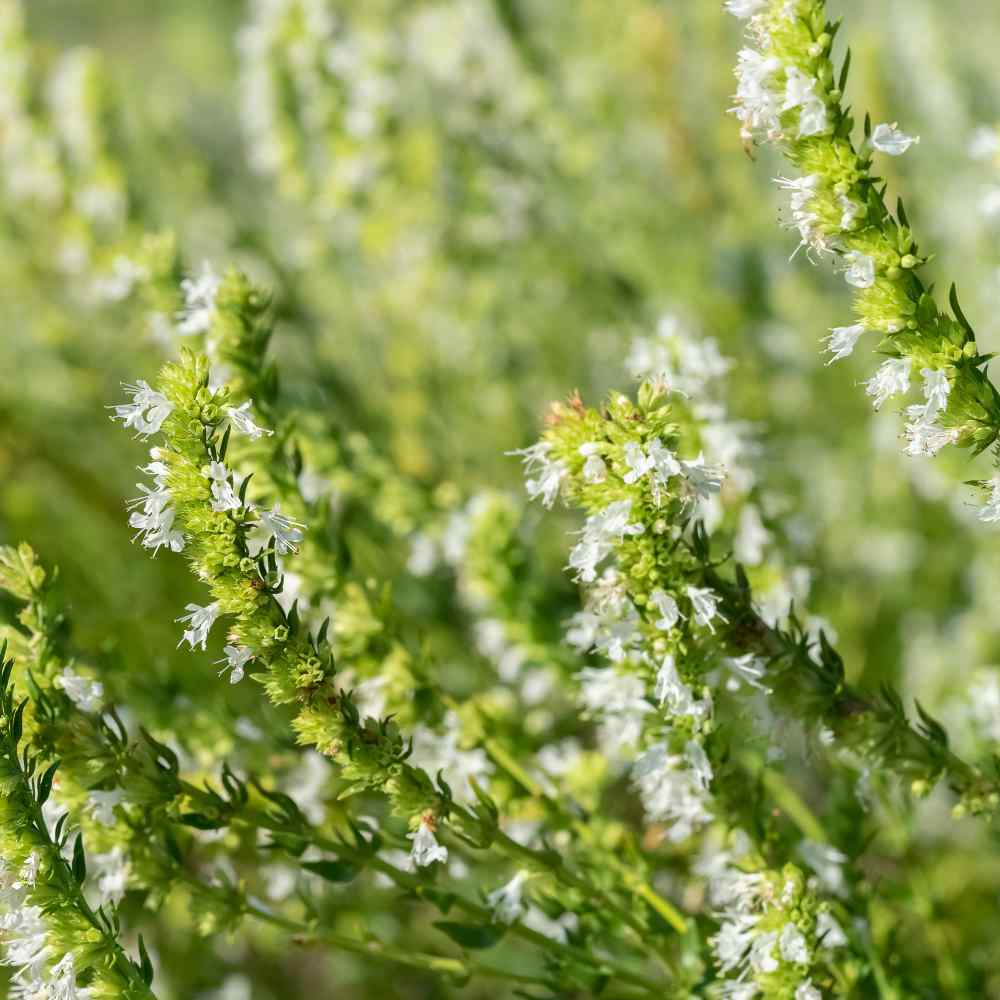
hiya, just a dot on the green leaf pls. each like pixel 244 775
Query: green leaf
pixel 333 871
pixel 79 865
pixel 145 965
pixel 45 783
pixel 474 936
pixel 202 822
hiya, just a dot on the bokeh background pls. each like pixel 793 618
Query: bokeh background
pixel 465 210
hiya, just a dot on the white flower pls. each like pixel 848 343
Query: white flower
pixel 155 522
pixel 240 418
pixel 423 555
pixel 697 760
pixel 748 668
pixel 199 301
pixel 828 932
pixel 888 139
pixel 506 902
pixel 936 390
pixel 223 495
pixel 605 690
pixel 117 286
pixel 800 92
pixel 112 871
pixel 28 875
pixel 599 533
pixel 670 793
pixel 892 377
pixel 792 945
pixel 201 621
pixel 732 941
pixel 86 694
pixel 705 604
pixel 989 513
pixel 101 805
pixel 594 469
pixel 758 103
pixel 802 191
pixel 841 341
pixel 664 461
pixel 549 477
pixel 236 659
pixel 667 607
pixel 286 532
pixel 806 991
pixel 751 537
pixel 425 849
pixel 671 691
pixel 851 210
pixel 744 9
pixel 146 412
pixel 925 436
pixel 860 270
pixel 762 957
pixel 638 461
pixel 703 479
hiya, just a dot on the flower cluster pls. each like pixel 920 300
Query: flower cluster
pixel 790 94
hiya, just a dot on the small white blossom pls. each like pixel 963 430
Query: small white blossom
pixel 925 436
pixel 670 792
pixel 705 480
pixel 889 139
pixel 670 614
pixel 744 9
pixel 665 463
pixel 806 991
pixel 101 805
pixel 236 659
pixel 239 417
pixel 841 341
pixel 594 469
pixel 155 522
pixel 201 620
pixel 732 941
pixel 758 102
pixel 762 957
pixel 792 945
pixel 638 462
pixel 506 902
pixel 860 269
pixel 802 190
pixel 828 932
pixel 86 694
pixel 670 691
pixel 850 212
pixel 800 92
pixel 425 849
pixel 751 537
pixel 892 378
pixel 599 533
pixel 199 301
pixel 146 412
pixel 112 870
pixel 749 668
pixel 543 476
pixel 287 533
pixel 989 513
pixel 223 495
pixel 936 390
pixel 705 604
